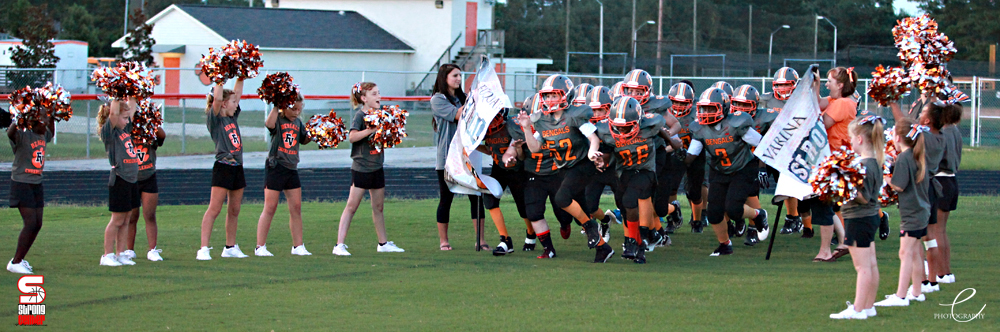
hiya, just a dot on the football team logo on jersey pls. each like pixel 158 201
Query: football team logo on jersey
pixel 129 148
pixel 235 139
pixel 290 139
pixel 143 153
pixel 38 158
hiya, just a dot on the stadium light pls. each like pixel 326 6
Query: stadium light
pixel 834 38
pixel 634 36
pixel 770 47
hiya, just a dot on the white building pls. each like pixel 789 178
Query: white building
pixel 72 55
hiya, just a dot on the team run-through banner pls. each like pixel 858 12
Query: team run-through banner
pixel 486 99
pixel 796 142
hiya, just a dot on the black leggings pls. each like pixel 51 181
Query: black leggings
pixel 32 218
pixel 444 205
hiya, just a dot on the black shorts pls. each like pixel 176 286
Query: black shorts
pixel 594 191
pixel 281 178
pixel 949 200
pixel 676 175
pixel 508 179
pixel 695 178
pixel 860 232
pixel 729 192
pixel 124 196
pixel 637 185
pixel 228 176
pixel 537 190
pixel 369 180
pixel 919 234
pixel 26 195
pixel 662 192
pixel 932 197
pixel 822 213
pixel 574 185
pixel 149 185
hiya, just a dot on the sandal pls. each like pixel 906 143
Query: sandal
pixel 485 247
pixel 445 247
pixel 840 253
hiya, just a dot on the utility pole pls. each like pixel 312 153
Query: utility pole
pixel 750 41
pixel 567 35
pixel 694 38
pixel 659 37
pixel 125 30
pixel 815 37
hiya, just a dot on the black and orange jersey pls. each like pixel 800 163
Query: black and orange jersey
pixel 563 136
pixel 763 119
pixel 723 142
pixel 686 121
pixel 657 105
pixel 538 163
pixel 498 141
pixel 768 101
pixel 638 152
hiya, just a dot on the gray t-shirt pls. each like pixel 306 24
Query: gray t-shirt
pixel 366 159
pixel 226 135
pixel 934 151
pixel 286 136
pixel 147 159
pixel 121 152
pixel 29 156
pixel 869 190
pixel 914 205
pixel 445 109
pixel 952 149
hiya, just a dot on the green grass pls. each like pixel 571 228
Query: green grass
pixel 980 158
pixel 425 289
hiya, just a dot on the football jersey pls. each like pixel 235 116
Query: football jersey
pixel 498 143
pixel 763 119
pixel 768 101
pixel 636 153
pixel 657 105
pixel 538 163
pixel 723 142
pixel 29 155
pixel 686 122
pixel 563 136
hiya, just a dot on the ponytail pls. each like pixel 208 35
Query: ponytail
pixel 877 138
pixel 914 142
pixel 360 89
pixel 846 76
pixel 103 113
pixel 870 128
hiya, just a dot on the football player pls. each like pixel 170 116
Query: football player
pixel 599 101
pixel 681 97
pixel 745 99
pixel 785 81
pixel 510 175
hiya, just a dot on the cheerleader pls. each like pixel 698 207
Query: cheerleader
pixel 26 192
pixel 281 175
pixel 150 198
pixel 222 113
pixel 366 171
pixel 115 126
pixel 949 200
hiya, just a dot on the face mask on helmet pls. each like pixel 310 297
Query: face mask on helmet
pixel 747 107
pixel 784 82
pixel 639 93
pixel 783 91
pixel 498 123
pixel 625 116
pixel 712 106
pixel 553 101
pixel 680 108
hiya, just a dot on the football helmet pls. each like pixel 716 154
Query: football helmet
pixel 638 79
pixel 532 104
pixel 725 87
pixel 745 99
pixel 681 99
pixel 561 87
pixel 712 106
pixel 599 100
pixel 617 90
pixel 624 118
pixel 784 82
pixel 580 93
pixel 499 122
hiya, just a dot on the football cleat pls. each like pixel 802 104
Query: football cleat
pixel 604 252
pixel 722 250
pixel 548 253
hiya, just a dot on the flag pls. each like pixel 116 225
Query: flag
pixel 797 141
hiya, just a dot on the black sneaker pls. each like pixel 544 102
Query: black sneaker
pixel 640 253
pixel 604 252
pixel 723 249
pixel 529 244
pixel 629 248
pixel 676 217
pixel 789 226
pixel 665 241
pixel 593 233
pixel 730 229
pixel 807 233
pixel 751 239
pixel 652 240
pixel 696 226
pixel 506 246
pixel 760 221
pixel 741 227
pixel 883 227
pixel 798 226
pixel 548 253
pixel 669 227
pixel 604 231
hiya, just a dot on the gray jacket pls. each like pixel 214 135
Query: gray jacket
pixel 444 116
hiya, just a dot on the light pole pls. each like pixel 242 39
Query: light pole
pixel 635 36
pixel 770 47
pixel 600 47
pixel 834 38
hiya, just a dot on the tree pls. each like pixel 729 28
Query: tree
pixel 139 43
pixel 12 14
pixel 970 23
pixel 78 24
pixel 36 51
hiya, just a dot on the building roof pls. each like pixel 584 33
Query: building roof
pixel 296 28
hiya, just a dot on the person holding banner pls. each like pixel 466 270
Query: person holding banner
pixel 785 80
pixel 447 104
pixel 366 171
pixel 726 138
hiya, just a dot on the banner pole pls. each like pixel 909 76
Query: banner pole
pixel 774 235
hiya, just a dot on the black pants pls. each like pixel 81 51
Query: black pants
pixel 729 192
pixel 508 179
pixel 574 185
pixel 444 205
pixel 596 188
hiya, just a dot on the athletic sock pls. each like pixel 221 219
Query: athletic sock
pixel 546 240
pixel 606 219
pixel 382 243
pixel 230 247
pixel 530 231
pixel 529 235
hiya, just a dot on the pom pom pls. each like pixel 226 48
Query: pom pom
pixel 889 84
pixel 145 121
pixel 390 126
pixel 25 109
pixel 838 178
pixel 919 41
pixel 57 101
pixel 930 78
pixel 126 79
pixel 278 90
pixel 236 59
pixel 326 130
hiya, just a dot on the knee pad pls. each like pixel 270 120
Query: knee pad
pixel 563 198
pixel 930 244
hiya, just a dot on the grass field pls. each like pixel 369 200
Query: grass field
pixel 425 289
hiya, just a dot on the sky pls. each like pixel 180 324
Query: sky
pixel 909 7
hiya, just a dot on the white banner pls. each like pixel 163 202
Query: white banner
pixel 796 142
pixel 486 99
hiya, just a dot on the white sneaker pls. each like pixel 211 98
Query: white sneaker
pixel 910 297
pixel 301 251
pixel 124 259
pixel 154 255
pixel 893 301
pixel 389 247
pixel 947 279
pixel 233 252
pixel 22 267
pixel 583 231
pixel 611 214
pixel 262 251
pixel 25 262
pixel 928 288
pixel 127 253
pixel 870 312
pixel 110 260
pixel 203 254
pixel 341 250
pixel 849 313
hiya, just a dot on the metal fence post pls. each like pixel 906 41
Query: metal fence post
pixel 88 129
pixel 183 125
